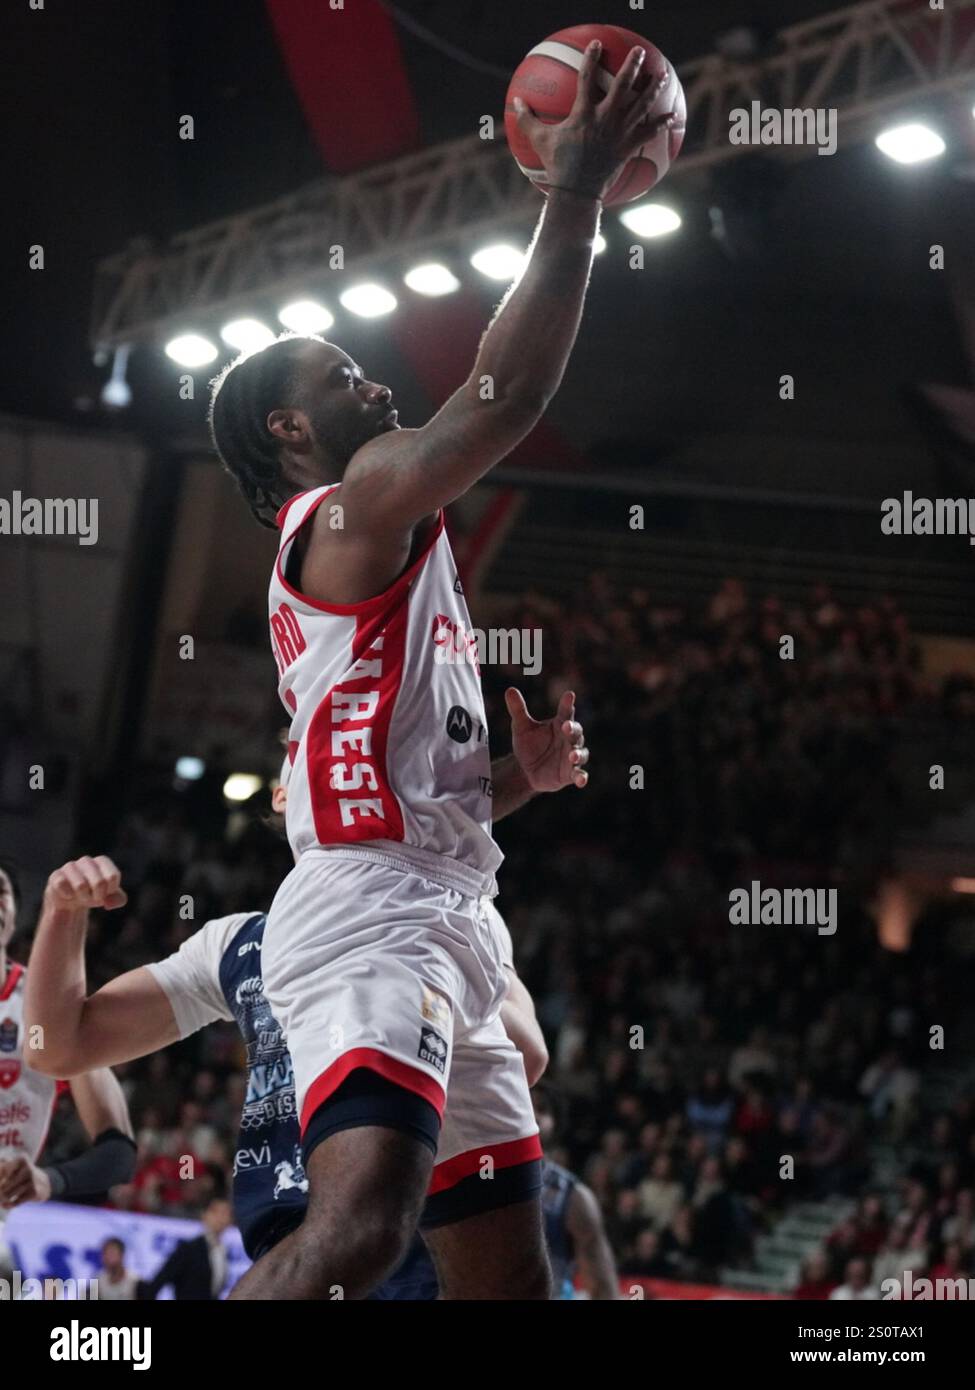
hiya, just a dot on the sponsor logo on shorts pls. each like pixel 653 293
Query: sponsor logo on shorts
pixel 435 1008
pixel 433 1049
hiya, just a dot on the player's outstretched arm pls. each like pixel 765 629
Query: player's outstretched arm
pixel 67 1032
pixel 597 1266
pixel 403 476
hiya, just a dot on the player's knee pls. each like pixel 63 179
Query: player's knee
pixel 350 1260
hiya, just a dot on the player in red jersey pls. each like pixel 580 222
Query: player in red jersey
pixel 378 962
pixel 27 1101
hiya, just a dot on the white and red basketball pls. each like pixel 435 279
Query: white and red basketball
pixel 547 79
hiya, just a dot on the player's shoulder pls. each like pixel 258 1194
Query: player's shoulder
pixel 221 934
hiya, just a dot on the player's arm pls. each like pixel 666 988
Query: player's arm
pixel 522 1027
pixel 403 476
pixel 68 1031
pixel 597 1266
pixel 548 754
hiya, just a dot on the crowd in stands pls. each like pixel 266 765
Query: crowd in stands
pixel 708 1075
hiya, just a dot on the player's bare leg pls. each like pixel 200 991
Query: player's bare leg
pixel 499 1254
pixel 366 1191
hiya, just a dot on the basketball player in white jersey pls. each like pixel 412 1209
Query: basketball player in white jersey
pixel 27 1102
pixel 378 962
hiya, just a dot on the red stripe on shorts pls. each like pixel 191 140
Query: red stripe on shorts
pixel 461 1166
pixel 410 1078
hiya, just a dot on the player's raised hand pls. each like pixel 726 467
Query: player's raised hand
pixel 552 753
pixel 587 150
pixel 85 883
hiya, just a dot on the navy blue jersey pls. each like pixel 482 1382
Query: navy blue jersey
pixel 558 1184
pixel 270 1186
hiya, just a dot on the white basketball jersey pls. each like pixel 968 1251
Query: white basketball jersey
pixel 26 1097
pixel 388 741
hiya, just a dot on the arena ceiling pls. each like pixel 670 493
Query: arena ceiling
pixel 825 275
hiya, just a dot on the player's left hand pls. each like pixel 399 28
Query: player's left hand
pixel 22 1181
pixel 552 753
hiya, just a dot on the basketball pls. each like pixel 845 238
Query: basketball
pixel 547 79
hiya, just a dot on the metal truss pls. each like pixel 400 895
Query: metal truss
pixel 865 61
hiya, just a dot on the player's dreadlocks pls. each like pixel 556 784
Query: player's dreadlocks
pixel 241 398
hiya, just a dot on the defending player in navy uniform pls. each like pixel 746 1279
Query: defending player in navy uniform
pixel 578 1249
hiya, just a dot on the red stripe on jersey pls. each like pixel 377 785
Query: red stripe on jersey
pixel 410 1078
pixel 368 605
pixel 348 736
pixel 10 984
pixel 461 1166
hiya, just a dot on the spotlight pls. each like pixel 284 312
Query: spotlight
pixel 432 279
pixel 191 350
pixel 910 144
pixel 499 262
pixel 246 335
pixel 240 786
pixel 368 301
pixel 306 316
pixel 651 220
pixel 189 769
pixel 599 245
pixel 116 392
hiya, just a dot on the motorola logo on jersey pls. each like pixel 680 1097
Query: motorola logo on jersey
pixel 460 725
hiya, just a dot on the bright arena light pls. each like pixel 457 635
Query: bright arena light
pixel 432 279
pixel 190 769
pixel 246 335
pixel 368 301
pixel 306 316
pixel 500 262
pixel 191 350
pixel 599 245
pixel 650 220
pixel 239 786
pixel 910 144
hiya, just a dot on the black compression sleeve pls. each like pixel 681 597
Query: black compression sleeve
pixel 109 1161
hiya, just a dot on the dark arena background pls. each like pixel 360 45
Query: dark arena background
pixel 741 535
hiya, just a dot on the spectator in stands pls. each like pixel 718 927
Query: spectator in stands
pixel 817 1281
pixel 196 1269
pixel 660 1195
pixel 710 1109
pixel 115 1282
pixel 857 1287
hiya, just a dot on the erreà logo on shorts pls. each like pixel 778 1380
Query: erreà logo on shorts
pixel 433 1049
pixel 77 1343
